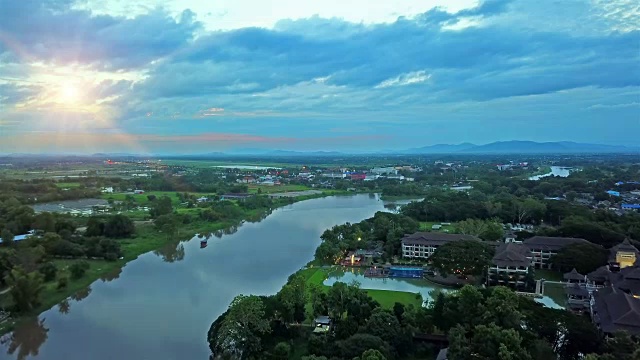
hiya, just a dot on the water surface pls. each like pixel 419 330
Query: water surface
pixel 555 171
pixel 161 305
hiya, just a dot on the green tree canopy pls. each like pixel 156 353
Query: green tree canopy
pixel 583 257
pixel 25 288
pixel 466 257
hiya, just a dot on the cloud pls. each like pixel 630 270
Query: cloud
pixel 416 76
pixel 56 32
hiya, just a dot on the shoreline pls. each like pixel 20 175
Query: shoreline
pixel 146 240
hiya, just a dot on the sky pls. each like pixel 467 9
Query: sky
pixel 193 77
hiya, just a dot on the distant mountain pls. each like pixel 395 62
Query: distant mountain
pixel 521 147
pixel 440 149
pixel 303 153
pixel 532 147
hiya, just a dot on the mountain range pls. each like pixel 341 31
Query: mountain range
pixel 521 147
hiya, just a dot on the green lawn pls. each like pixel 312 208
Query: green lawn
pixel 548 275
pixel 268 189
pixel 142 199
pixel 68 185
pixel 556 292
pixel 426 226
pixel 386 298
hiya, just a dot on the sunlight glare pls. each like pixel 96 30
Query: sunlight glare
pixel 69 94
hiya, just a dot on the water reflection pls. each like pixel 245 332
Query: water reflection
pixel 110 276
pixel 64 307
pixel 26 339
pixel 171 252
pixel 81 294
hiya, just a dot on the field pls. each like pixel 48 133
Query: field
pixel 548 275
pixel 426 226
pixel 267 189
pixel 68 185
pixel 143 199
pixel 386 298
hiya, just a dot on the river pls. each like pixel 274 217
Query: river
pixel 555 171
pixel 161 307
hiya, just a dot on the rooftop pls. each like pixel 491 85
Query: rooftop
pixel 573 275
pixel 512 254
pixel 617 311
pixel 552 243
pixel 435 238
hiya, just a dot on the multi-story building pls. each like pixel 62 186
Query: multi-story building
pixel 543 248
pixel 623 255
pixel 510 266
pixel 423 244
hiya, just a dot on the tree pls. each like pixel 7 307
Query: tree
pixel 119 226
pixel 95 227
pixel 48 271
pixel 281 351
pixel 168 224
pixel 78 269
pixel 338 298
pixel 357 344
pixel 238 333
pixel 584 257
pixel 372 354
pixel 463 258
pixel 62 282
pixel 486 342
pixel 161 206
pixel 293 298
pixel 7 237
pixel 384 325
pixel 528 209
pixel 25 288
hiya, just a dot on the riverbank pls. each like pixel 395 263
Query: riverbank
pixel 543 170
pixel 146 239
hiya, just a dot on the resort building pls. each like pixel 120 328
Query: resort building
pixel 543 248
pixel 422 244
pixel 578 298
pixel 574 277
pixel 623 255
pixel 510 266
pixel 613 310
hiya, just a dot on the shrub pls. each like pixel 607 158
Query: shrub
pixel 79 268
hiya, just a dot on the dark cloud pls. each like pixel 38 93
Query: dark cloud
pixel 51 31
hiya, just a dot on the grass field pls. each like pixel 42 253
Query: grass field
pixel 143 199
pixel 386 298
pixel 547 275
pixel 68 185
pixel 266 189
pixel 426 226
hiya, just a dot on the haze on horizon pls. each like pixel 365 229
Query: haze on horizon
pixel 154 76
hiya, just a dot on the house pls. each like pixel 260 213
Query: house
pixel 334 175
pixel 107 190
pixel 138 191
pixel 321 324
pixel 630 206
pixel 510 265
pixel 574 277
pixel 623 255
pixel 358 176
pixel 613 193
pixel 371 177
pixel 22 236
pixel 247 180
pixel 202 199
pixel 234 196
pixel 613 310
pixel 383 170
pixel 578 298
pixel 544 247
pixel 423 244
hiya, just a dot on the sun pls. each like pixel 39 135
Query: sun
pixel 69 94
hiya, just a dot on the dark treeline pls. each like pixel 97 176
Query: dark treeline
pixel 480 324
pixel 383 231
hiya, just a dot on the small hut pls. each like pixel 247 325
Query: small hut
pixel 574 277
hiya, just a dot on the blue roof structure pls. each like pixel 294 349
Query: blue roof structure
pixel 613 193
pixel 18 237
pixel 631 206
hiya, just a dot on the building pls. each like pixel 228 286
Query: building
pixel 630 206
pixel 383 170
pixel 405 272
pixel 543 248
pixel 578 298
pixel 332 175
pixel 510 265
pixel 22 236
pixel 107 190
pixel 613 310
pixel 623 255
pixel 358 176
pixel 321 324
pixel 423 244
pixel 574 277
pixel 138 191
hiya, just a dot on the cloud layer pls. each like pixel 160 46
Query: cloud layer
pixel 495 70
